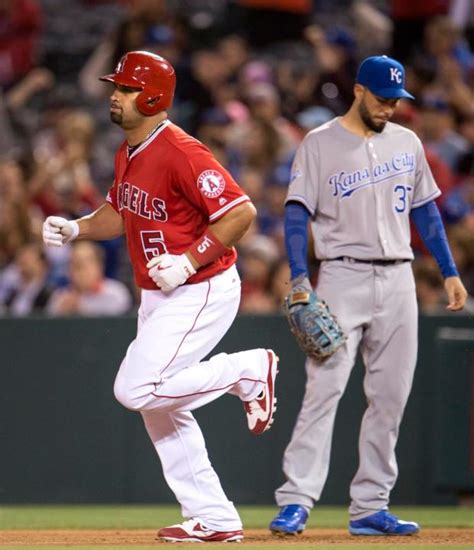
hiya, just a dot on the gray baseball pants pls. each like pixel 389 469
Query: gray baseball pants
pixel 376 307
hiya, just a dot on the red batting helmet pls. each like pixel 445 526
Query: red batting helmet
pixel 149 73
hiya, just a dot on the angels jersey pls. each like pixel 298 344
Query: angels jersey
pixel 168 191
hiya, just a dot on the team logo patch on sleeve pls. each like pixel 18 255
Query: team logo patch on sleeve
pixel 295 173
pixel 211 183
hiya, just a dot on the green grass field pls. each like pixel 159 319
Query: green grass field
pixel 153 517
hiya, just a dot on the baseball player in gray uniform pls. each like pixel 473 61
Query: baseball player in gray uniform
pixel 358 179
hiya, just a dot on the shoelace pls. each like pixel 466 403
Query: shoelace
pixel 390 521
pixel 288 514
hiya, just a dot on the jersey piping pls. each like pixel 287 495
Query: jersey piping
pixel 429 198
pixel 149 140
pixel 222 211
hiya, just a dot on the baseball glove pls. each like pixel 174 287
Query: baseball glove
pixel 315 328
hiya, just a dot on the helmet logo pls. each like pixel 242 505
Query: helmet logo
pixel 211 183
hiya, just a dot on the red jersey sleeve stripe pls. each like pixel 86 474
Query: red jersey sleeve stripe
pixel 227 207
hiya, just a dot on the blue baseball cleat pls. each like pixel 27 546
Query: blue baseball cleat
pixel 382 523
pixel 291 520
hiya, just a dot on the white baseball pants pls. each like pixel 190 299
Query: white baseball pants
pixel 163 376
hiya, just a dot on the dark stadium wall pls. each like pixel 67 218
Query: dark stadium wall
pixel 64 439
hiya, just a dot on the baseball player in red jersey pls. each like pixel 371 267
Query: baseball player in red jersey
pixel 181 212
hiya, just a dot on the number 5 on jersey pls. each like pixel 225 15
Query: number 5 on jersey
pixel 153 244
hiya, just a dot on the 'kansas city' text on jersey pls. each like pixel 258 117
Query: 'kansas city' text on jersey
pixel 386 174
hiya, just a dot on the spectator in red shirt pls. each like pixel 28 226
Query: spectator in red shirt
pixel 20 26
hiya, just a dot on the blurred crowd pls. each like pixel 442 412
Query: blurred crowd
pixel 254 76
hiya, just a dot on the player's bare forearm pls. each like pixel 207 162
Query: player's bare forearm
pixel 233 226
pixel 457 294
pixel 101 225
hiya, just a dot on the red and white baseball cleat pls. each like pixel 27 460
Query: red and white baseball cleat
pixel 192 530
pixel 260 411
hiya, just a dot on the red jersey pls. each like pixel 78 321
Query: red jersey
pixel 168 191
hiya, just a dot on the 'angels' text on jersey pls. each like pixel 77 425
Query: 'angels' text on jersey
pixel 138 201
pixel 167 191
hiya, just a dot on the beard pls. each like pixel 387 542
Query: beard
pixel 116 118
pixel 369 121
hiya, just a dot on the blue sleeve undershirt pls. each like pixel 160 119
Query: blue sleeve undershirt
pixel 427 220
pixel 296 238
pixel 430 226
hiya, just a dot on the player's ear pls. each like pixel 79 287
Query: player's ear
pixel 358 90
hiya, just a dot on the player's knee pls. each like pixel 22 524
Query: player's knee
pixel 390 407
pixel 126 394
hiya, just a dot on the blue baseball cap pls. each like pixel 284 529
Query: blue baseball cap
pixel 383 76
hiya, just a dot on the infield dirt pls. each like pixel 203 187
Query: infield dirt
pixel 255 537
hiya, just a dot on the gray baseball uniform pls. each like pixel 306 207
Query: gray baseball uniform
pixel 360 193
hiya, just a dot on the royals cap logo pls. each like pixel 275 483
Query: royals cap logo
pixel 383 76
